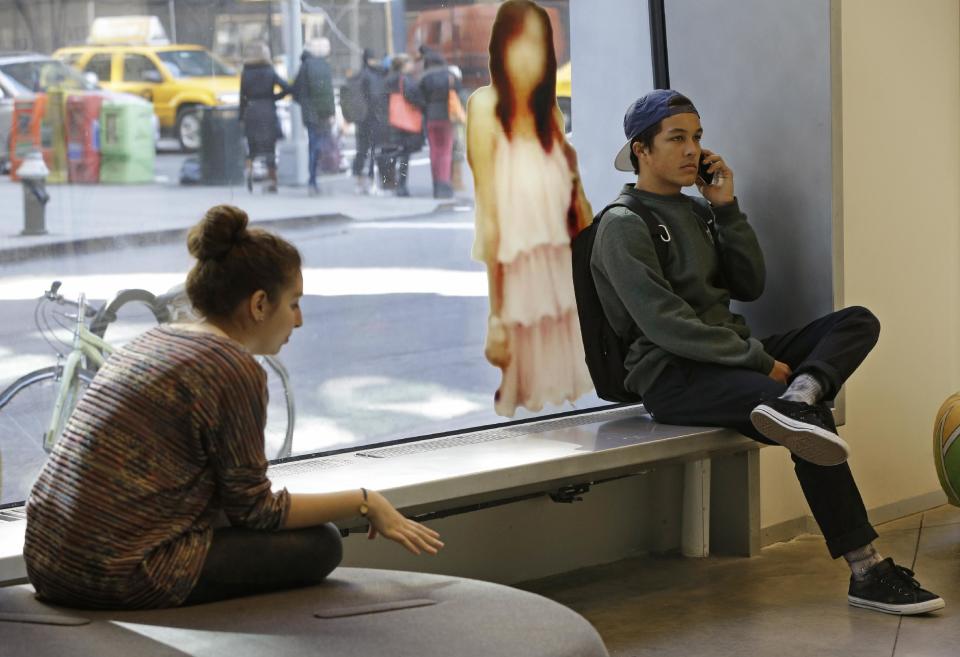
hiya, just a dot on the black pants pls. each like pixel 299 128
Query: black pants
pixel 247 562
pixel 395 169
pixel 690 392
pixel 368 140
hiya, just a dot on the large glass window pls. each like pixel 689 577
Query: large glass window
pixel 395 312
pixel 138 68
pixel 193 64
pixel 99 65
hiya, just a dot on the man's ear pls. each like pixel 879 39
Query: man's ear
pixel 638 149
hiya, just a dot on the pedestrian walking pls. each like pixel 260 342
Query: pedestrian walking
pixel 258 111
pixel 405 134
pixel 371 128
pixel 436 86
pixel 313 90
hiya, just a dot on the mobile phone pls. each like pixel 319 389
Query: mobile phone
pixel 702 171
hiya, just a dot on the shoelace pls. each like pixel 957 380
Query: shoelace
pixel 902 576
pixel 816 411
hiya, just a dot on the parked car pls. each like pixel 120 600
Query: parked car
pixel 177 79
pixel 23 74
pixel 563 95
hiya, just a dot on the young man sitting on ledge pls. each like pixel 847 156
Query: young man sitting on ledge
pixel 695 362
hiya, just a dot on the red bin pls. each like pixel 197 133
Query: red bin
pixel 83 137
pixel 28 131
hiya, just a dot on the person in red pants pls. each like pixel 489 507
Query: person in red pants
pixel 435 86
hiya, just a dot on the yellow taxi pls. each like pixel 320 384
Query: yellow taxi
pixel 177 79
pixel 564 76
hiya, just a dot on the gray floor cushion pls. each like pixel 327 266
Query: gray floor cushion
pixel 358 611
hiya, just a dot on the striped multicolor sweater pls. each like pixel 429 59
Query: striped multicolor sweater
pixel 167 440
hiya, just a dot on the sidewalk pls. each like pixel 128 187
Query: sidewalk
pixel 95 217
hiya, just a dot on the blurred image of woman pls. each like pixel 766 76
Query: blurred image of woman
pixel 529 205
pixel 258 111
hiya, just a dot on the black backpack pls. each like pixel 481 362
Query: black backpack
pixel 604 349
pixel 353 102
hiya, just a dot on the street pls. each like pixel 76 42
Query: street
pixel 391 347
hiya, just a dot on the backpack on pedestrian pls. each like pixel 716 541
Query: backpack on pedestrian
pixel 353 103
pixel 605 351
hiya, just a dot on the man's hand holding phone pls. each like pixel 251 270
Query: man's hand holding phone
pixel 715 179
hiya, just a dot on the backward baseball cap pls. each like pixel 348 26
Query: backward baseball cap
pixel 645 112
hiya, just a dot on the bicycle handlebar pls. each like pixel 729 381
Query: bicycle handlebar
pixel 53 295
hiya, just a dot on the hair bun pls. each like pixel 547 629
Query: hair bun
pixel 222 228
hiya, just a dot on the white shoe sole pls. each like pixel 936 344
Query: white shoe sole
pixel 808 441
pixel 898 610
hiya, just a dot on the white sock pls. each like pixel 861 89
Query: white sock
pixel 805 388
pixel 862 560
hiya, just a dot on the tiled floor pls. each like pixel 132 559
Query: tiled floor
pixel 791 600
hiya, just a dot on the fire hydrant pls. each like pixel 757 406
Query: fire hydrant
pixel 33 174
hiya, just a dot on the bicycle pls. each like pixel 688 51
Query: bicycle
pixel 28 400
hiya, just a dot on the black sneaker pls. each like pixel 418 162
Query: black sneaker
pixel 806 430
pixel 892 589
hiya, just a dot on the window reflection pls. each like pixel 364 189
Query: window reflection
pixel 395 308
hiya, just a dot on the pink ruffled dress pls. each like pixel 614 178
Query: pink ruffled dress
pixel 532 191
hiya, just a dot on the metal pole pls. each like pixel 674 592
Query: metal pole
pixel 398 25
pixel 355 57
pixel 173 20
pixel 658 44
pixel 293 42
pixel 270 43
pixel 388 19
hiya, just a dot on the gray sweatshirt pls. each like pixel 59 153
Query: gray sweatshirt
pixel 682 309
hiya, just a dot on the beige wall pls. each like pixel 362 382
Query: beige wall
pixel 900 98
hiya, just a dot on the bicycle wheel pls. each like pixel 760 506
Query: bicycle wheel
pixel 144 313
pixel 278 435
pixel 25 409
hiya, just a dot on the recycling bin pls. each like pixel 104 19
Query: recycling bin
pixel 83 137
pixel 127 150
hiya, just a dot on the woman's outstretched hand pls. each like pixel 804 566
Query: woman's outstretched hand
pixel 389 523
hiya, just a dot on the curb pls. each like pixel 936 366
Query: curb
pixel 87 245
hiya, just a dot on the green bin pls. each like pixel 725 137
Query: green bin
pixel 127 149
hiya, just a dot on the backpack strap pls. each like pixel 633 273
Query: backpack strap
pixel 706 213
pixel 658 231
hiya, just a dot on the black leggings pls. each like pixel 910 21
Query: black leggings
pixel 247 562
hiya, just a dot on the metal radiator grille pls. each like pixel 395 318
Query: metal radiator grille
pixel 499 433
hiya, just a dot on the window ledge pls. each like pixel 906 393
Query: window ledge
pixel 443 475
pixel 455 472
